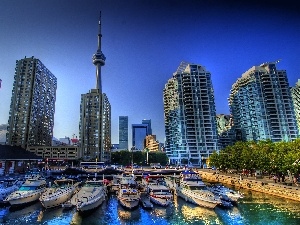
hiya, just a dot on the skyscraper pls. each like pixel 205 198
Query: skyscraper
pixel 261 105
pixel 145 121
pixel 190 115
pixel 139 133
pixel 95 122
pixel 296 102
pixel 31 115
pixel 123 132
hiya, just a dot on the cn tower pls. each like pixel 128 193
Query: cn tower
pixel 99 59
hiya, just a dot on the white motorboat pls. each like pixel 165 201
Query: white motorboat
pixel 192 189
pixel 29 191
pixel 90 196
pixel 225 193
pixel 7 187
pixel 128 195
pixel 157 190
pixel 115 183
pixel 60 192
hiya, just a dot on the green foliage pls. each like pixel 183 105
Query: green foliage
pixel 263 155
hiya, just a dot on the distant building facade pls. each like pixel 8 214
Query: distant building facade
pixel 123 132
pixel 296 102
pixel 31 115
pixel 105 154
pixel 95 128
pixel 190 115
pixel 148 122
pixel 139 133
pixel 261 105
pixel 152 144
pixel 226 131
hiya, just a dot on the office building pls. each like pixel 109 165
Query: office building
pixel 296 102
pixel 31 115
pixel 261 105
pixel 148 122
pixel 139 133
pixel 95 121
pixel 152 144
pixel 190 115
pixel 123 132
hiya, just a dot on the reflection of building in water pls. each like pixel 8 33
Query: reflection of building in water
pixel 161 212
pixel 126 215
pixel 192 213
pixel 76 219
pixel 282 204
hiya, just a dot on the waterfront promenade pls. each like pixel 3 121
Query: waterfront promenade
pixel 265 184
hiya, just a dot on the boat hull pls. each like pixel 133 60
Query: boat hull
pixel 88 206
pixel 188 197
pixel 56 200
pixel 165 201
pixel 22 199
pixel 129 203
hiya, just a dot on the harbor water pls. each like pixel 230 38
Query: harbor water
pixel 255 208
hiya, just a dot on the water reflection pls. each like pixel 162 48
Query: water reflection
pixel 128 215
pixel 197 213
pixel 254 208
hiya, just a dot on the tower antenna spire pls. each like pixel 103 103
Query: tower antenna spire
pixel 99 59
pixel 99 32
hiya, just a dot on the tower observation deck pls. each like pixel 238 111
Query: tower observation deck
pixel 99 59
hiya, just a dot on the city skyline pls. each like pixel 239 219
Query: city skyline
pixel 144 42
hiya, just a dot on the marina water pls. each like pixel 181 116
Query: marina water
pixel 255 208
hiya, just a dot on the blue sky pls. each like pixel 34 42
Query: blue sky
pixel 144 42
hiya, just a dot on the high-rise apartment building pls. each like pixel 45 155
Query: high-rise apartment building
pixel 123 132
pixel 95 113
pixel 31 115
pixel 139 133
pixel 296 102
pixel 190 115
pixel 105 154
pixel 261 105
pixel 226 133
pixel 145 121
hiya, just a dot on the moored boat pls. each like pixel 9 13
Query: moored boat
pixel 29 192
pixel 157 190
pixel 192 189
pixel 60 192
pixel 7 187
pixel 128 195
pixel 90 196
pixel 225 193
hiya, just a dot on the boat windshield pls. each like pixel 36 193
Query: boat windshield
pixel 195 188
pixel 27 188
pixel 93 184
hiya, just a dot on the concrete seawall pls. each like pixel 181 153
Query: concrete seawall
pixel 260 185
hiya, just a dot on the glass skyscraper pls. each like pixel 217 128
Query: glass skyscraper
pixel 145 121
pixel 190 115
pixel 31 115
pixel 123 132
pixel 261 105
pixel 139 133
pixel 296 102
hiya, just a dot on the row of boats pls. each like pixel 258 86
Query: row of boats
pixel 131 192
